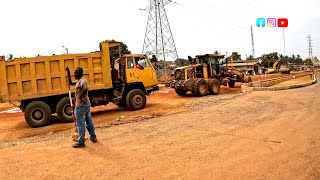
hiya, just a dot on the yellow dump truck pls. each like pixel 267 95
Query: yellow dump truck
pixel 40 83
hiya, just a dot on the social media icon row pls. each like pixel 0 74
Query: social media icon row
pixel 272 22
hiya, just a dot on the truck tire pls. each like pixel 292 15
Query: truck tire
pixel 214 86
pixel 200 87
pixel 181 92
pixel 64 110
pixel 136 99
pixel 231 84
pixel 37 114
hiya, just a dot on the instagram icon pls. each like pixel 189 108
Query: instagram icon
pixel 271 22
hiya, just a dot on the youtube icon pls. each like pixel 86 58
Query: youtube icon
pixel 282 22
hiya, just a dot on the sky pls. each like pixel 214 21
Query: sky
pixel 203 26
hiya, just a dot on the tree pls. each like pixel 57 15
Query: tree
pixel 281 56
pixel 268 59
pixel 299 59
pixel 236 56
pixel 250 57
pixel 114 51
pixel 10 56
pixel 308 62
pixel 182 62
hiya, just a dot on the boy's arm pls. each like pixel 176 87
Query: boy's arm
pixel 73 83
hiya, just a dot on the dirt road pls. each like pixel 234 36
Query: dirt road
pixel 164 102
pixel 259 135
pixel 13 126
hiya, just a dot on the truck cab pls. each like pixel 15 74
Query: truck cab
pixel 136 68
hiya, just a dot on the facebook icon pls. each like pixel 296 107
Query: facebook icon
pixel 261 22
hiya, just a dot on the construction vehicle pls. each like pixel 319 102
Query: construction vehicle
pixel 285 69
pixel 274 68
pixel 205 74
pixel 230 75
pixel 40 83
pixel 279 66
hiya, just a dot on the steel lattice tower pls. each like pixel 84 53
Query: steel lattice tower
pixel 310 47
pixel 252 42
pixel 158 38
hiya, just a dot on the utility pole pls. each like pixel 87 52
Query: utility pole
pixel 310 47
pixel 158 38
pixel 252 42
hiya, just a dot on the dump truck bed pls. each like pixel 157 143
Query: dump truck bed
pixel 29 78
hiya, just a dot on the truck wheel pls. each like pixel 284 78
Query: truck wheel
pixel 214 86
pixel 136 99
pixel 37 114
pixel 181 92
pixel 200 87
pixel 231 84
pixel 64 110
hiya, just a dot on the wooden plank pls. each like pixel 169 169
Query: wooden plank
pixel 48 77
pixel 33 77
pixel 19 82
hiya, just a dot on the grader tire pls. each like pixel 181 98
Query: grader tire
pixel 231 84
pixel 200 87
pixel 214 86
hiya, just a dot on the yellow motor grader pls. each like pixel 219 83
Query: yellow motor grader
pixel 205 74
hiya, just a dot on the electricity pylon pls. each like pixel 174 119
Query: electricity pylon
pixel 158 38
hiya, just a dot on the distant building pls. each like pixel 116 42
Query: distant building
pixel 249 66
pixel 315 61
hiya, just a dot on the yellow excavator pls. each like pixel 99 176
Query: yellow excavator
pixel 274 68
pixel 280 66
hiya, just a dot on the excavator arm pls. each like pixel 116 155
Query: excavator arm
pixel 276 64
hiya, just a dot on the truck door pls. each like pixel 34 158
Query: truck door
pixel 145 73
pixel 131 75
